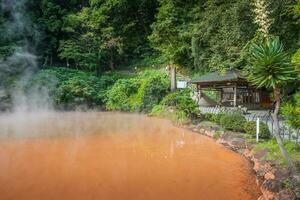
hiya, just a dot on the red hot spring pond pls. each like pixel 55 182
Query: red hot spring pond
pixel 114 156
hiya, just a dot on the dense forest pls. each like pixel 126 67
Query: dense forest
pixel 86 44
pixel 101 35
pixel 81 50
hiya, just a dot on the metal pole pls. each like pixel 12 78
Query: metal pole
pixel 257 129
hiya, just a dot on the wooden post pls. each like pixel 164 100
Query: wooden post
pixel 234 96
pixel 221 96
pixel 173 78
pixel 199 92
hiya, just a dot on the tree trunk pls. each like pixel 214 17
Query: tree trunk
pixel 173 78
pixel 279 140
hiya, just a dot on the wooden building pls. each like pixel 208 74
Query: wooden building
pixel 233 90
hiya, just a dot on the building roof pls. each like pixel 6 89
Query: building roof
pixel 217 77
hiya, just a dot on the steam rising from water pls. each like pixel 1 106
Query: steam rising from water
pixel 115 156
pixel 22 63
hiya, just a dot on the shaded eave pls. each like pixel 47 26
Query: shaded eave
pixel 217 78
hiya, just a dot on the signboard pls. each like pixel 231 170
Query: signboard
pixel 181 84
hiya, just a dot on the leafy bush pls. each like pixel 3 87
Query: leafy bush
pixel 233 121
pixel 80 90
pixel 138 94
pixel 182 101
pixel 177 106
pixel 176 116
pixel 120 96
pixel 158 110
pixel 217 134
pixel 153 88
pixel 291 111
pixel 213 117
pixel 250 128
pixel 70 88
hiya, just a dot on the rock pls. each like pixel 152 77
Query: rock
pixel 286 194
pixel 248 154
pixel 261 197
pixel 195 130
pixel 234 141
pixel 272 185
pixel 269 176
pixel 260 154
pixel 210 133
pixel 281 174
pixel 238 143
pixel 261 167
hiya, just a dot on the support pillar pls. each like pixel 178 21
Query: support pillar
pixel 173 78
pixel 221 96
pixel 235 96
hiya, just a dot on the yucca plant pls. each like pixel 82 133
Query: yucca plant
pixel 271 68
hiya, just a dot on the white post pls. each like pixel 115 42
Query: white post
pixel 257 129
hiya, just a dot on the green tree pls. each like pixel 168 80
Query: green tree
pixel 291 111
pixel 107 33
pixel 170 32
pixel 219 31
pixel 271 68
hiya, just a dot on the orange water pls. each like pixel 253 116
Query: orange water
pixel 112 156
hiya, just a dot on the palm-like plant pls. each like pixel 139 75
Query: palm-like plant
pixel 271 68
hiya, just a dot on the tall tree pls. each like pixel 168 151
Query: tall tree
pixel 170 31
pixel 220 30
pixel 107 33
pixel 271 68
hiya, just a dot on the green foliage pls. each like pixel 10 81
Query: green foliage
pixel 98 35
pixel 105 33
pixel 274 153
pixel 169 35
pixel 177 106
pixel 120 96
pixel 177 116
pixel 138 94
pixel 220 30
pixel 270 66
pixel 159 111
pixel 217 134
pixel 213 117
pixel 233 122
pixel 70 88
pixel 250 128
pixel 80 90
pixel 182 101
pixel 291 112
pixel 152 90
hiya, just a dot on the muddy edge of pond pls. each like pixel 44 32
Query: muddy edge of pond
pixel 271 178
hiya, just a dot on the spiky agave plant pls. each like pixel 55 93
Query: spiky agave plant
pixel 271 68
pixel 270 65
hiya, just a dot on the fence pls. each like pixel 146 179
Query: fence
pixel 286 132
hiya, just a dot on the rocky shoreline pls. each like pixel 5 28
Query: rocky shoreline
pixel 273 180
